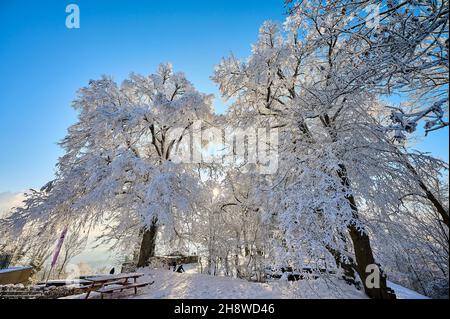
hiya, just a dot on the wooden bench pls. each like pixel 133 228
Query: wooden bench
pixel 122 286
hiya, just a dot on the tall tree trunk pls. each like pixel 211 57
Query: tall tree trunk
pixel 361 242
pixel 148 243
pixel 363 250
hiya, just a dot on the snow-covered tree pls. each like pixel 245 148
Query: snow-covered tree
pixel 232 232
pixel 118 166
pixel 399 47
pixel 334 152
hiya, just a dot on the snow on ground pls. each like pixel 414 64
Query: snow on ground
pixel 12 269
pixel 198 286
pixel 192 285
pixel 405 293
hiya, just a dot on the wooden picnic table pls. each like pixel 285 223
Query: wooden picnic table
pixel 111 283
pixel 107 278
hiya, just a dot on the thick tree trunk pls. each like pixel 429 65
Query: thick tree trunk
pixel 361 242
pixel 363 250
pixel 148 244
pixel 364 257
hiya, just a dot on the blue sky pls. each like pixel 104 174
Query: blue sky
pixel 43 64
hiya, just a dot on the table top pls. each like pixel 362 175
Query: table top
pixel 107 278
pixel 64 282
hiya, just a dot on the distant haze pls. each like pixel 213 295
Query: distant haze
pixel 94 256
pixel 9 200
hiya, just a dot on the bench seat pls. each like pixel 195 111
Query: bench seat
pixel 110 288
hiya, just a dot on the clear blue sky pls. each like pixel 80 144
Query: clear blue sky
pixel 42 64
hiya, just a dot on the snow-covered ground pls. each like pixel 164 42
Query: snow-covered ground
pixel 405 293
pixel 198 286
pixel 191 285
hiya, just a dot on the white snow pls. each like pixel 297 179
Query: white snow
pixel 405 293
pixel 12 269
pixel 191 285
